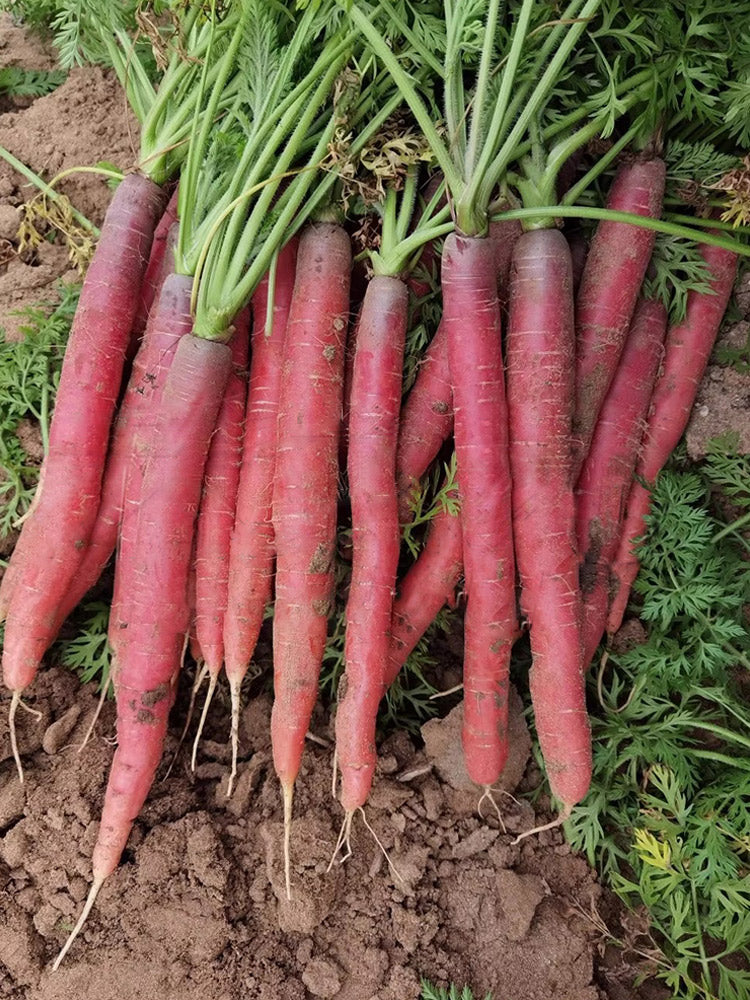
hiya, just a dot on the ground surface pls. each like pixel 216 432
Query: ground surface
pixel 197 909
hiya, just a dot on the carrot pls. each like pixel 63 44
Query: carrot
pixel 305 489
pixel 426 421
pixel 611 281
pixel 373 432
pixel 216 516
pixel 168 321
pixel 154 560
pixel 251 549
pixel 56 534
pixel 471 315
pixel 429 584
pixel 427 416
pixel 540 351
pixel 688 348
pixel 160 264
pixel 607 474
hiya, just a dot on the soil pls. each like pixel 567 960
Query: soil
pixel 198 907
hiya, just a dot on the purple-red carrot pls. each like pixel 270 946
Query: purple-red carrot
pixel 251 549
pixel 168 320
pixel 216 516
pixel 607 474
pixel 471 315
pixel 426 421
pixel 305 488
pixel 427 415
pixel 147 644
pixel 55 536
pixel 218 504
pixel 540 352
pixel 611 282
pixel 687 350
pixel 373 433
pixel 429 584
pixel 160 264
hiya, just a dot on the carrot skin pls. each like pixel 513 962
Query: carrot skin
pixel 160 264
pixel 610 284
pixel 251 550
pixel 58 531
pixel 471 314
pixel 305 485
pixel 428 586
pixel 427 415
pixel 687 350
pixel 169 320
pixel 426 421
pixel 540 351
pixel 218 506
pixel 153 563
pixel 376 400
pixel 607 474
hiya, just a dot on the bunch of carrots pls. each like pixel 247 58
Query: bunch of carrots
pixel 218 386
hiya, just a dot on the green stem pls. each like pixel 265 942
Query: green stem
pixel 50 192
pixel 494 171
pixel 44 413
pixel 709 223
pixel 574 192
pixel 410 95
pixel 416 44
pixel 734 526
pixel 699 928
pixel 589 212
pixel 477 140
pixel 475 199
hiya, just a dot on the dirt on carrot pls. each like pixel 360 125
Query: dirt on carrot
pixel 198 906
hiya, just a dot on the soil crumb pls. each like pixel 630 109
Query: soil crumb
pixel 198 908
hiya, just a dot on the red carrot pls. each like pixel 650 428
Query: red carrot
pixel 57 532
pixel 426 421
pixel 688 348
pixel 427 416
pixel 607 474
pixel 305 489
pixel 148 642
pixel 160 264
pixel 611 281
pixel 376 399
pixel 169 320
pixel 216 516
pixel 428 586
pixel 471 315
pixel 251 550
pixel 540 350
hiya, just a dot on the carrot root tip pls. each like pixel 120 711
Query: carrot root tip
pixel 344 841
pixel 97 713
pixel 487 794
pixel 288 794
pixel 234 691
pixel 204 714
pixel 558 821
pixel 16 702
pixel 200 676
pixel 396 873
pixel 90 900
